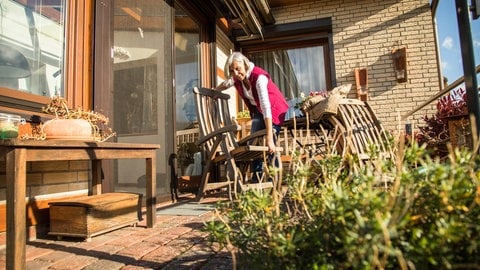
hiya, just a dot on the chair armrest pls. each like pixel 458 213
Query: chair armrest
pixel 215 133
pixel 252 137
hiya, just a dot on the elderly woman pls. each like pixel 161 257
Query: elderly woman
pixel 266 103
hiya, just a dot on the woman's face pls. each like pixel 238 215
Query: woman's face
pixel 237 69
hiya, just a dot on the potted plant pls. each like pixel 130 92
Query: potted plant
pixel 242 115
pixel 74 124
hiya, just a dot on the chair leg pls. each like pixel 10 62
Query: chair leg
pixel 203 184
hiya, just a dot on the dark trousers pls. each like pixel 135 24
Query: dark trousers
pixel 259 124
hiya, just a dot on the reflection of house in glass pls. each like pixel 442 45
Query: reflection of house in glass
pixel 189 105
pixel 38 36
pixel 186 70
pixel 135 100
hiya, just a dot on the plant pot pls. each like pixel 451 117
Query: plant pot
pixel 68 129
pixel 242 120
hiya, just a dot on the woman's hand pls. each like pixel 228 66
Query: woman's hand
pixel 271 146
pixel 270 141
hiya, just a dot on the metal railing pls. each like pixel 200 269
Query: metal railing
pixel 447 89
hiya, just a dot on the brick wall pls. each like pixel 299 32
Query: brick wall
pixel 364 34
pixel 45 178
pixel 47 181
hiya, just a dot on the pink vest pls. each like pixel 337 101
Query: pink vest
pixel 277 101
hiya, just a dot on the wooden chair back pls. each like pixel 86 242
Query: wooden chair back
pixel 362 132
pixel 218 136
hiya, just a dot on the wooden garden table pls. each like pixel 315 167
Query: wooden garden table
pixel 18 152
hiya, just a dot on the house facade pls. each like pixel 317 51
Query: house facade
pixel 137 61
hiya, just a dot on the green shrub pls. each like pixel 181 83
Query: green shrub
pixel 416 214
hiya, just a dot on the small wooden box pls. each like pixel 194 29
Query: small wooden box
pixel 92 215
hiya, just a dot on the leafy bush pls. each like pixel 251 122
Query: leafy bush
pixel 416 214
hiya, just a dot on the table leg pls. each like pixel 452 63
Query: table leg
pixel 151 189
pixel 96 187
pixel 16 208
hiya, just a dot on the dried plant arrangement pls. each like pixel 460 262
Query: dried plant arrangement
pixel 58 107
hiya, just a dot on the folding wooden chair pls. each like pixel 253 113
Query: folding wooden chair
pixel 218 137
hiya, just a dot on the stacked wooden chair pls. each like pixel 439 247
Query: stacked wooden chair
pixel 359 132
pixel 353 128
pixel 226 161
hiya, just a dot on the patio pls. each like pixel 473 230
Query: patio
pixel 175 242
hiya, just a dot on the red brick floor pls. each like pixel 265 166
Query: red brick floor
pixel 175 242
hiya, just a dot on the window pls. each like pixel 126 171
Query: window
pixel 187 73
pixel 138 39
pixel 54 37
pixel 133 41
pixel 298 57
pixel 298 63
pixel 293 69
pixel 32 37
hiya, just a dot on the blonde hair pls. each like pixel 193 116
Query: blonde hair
pixel 235 57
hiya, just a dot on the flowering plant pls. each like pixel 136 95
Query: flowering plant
pixel 453 104
pixel 312 94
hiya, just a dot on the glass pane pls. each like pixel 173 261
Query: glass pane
pixel 138 96
pixel 295 71
pixel 137 54
pixel 186 77
pixel 186 68
pixel 32 38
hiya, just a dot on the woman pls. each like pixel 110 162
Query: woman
pixel 266 103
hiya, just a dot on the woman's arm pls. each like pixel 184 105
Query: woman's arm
pixel 225 85
pixel 265 105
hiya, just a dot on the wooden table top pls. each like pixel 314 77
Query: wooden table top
pixel 74 144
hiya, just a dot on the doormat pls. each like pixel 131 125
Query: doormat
pixel 186 209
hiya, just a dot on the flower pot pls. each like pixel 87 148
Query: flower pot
pixel 68 129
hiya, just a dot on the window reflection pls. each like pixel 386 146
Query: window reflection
pixel 186 68
pixel 32 41
pixel 138 57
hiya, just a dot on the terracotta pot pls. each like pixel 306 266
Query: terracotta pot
pixel 68 129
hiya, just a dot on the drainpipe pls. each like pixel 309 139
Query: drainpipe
pixel 468 61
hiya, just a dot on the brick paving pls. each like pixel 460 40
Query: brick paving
pixel 175 242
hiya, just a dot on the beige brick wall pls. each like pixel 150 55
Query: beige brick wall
pixel 364 34
pixel 45 178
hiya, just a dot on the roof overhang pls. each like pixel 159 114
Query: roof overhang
pixel 246 18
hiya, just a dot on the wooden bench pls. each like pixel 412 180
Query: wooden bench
pixel 88 216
